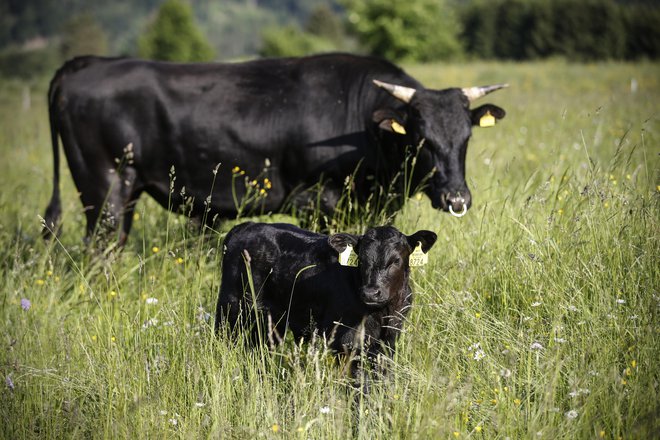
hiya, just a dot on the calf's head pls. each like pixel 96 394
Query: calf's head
pixel 383 260
pixel 443 119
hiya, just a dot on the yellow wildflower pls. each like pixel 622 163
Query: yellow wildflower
pixel 40 282
pixel 236 170
pixel 94 338
pixel 517 401
pixel 136 216
pixel 601 434
pixel 262 192
pixel 477 315
pixel 456 434
pixel 478 428
pixel 560 211
pixel 49 273
pixel 155 249
pixel 633 363
pixel 179 260
pixel 275 427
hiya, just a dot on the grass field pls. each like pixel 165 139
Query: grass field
pixel 537 316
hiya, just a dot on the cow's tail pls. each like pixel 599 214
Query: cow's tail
pixel 51 225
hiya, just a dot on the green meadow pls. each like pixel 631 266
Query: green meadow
pixel 536 317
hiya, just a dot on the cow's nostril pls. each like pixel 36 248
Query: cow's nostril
pixel 458 204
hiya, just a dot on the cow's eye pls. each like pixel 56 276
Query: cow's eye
pixel 394 262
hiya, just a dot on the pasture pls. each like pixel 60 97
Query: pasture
pixel 536 317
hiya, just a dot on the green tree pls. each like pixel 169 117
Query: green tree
pixel 290 41
pixel 323 32
pixel 173 36
pixel 82 35
pixel 325 23
pixel 419 30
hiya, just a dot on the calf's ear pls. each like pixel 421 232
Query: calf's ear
pixel 427 238
pixel 340 241
pixel 487 109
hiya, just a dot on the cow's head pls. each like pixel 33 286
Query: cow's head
pixel 383 260
pixel 444 120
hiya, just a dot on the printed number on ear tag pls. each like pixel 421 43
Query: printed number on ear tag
pixel 397 128
pixel 348 257
pixel 418 257
pixel 487 120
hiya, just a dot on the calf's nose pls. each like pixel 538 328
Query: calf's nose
pixel 372 295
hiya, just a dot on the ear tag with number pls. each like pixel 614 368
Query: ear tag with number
pixel 418 257
pixel 487 120
pixel 348 257
pixel 397 128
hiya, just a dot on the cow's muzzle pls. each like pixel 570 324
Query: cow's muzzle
pixel 457 204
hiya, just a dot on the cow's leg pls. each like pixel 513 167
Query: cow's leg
pixel 110 202
pixel 318 203
pixel 128 197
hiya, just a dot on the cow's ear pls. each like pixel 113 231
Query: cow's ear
pixel 426 238
pixel 485 115
pixel 340 241
pixel 389 120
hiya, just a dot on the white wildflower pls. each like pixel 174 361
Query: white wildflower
pixel 572 414
pixel 151 300
pixel 620 301
pixel 324 410
pixel 536 304
pixel 536 346
pixel 479 355
pixel 572 308
pixel 151 322
pixel 200 404
pixel 505 373
pixel 560 340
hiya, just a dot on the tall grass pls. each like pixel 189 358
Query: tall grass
pixel 536 317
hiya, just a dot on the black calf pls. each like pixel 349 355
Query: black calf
pixel 300 285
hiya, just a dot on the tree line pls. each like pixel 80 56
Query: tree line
pixel 36 34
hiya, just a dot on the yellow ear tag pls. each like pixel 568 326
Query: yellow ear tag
pixel 348 257
pixel 397 128
pixel 418 257
pixel 487 120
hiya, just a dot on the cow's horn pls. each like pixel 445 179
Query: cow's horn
pixel 405 94
pixel 473 93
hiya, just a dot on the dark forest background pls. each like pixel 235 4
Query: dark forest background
pixel 36 35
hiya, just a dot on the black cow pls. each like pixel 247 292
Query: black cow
pixel 298 284
pixel 288 123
